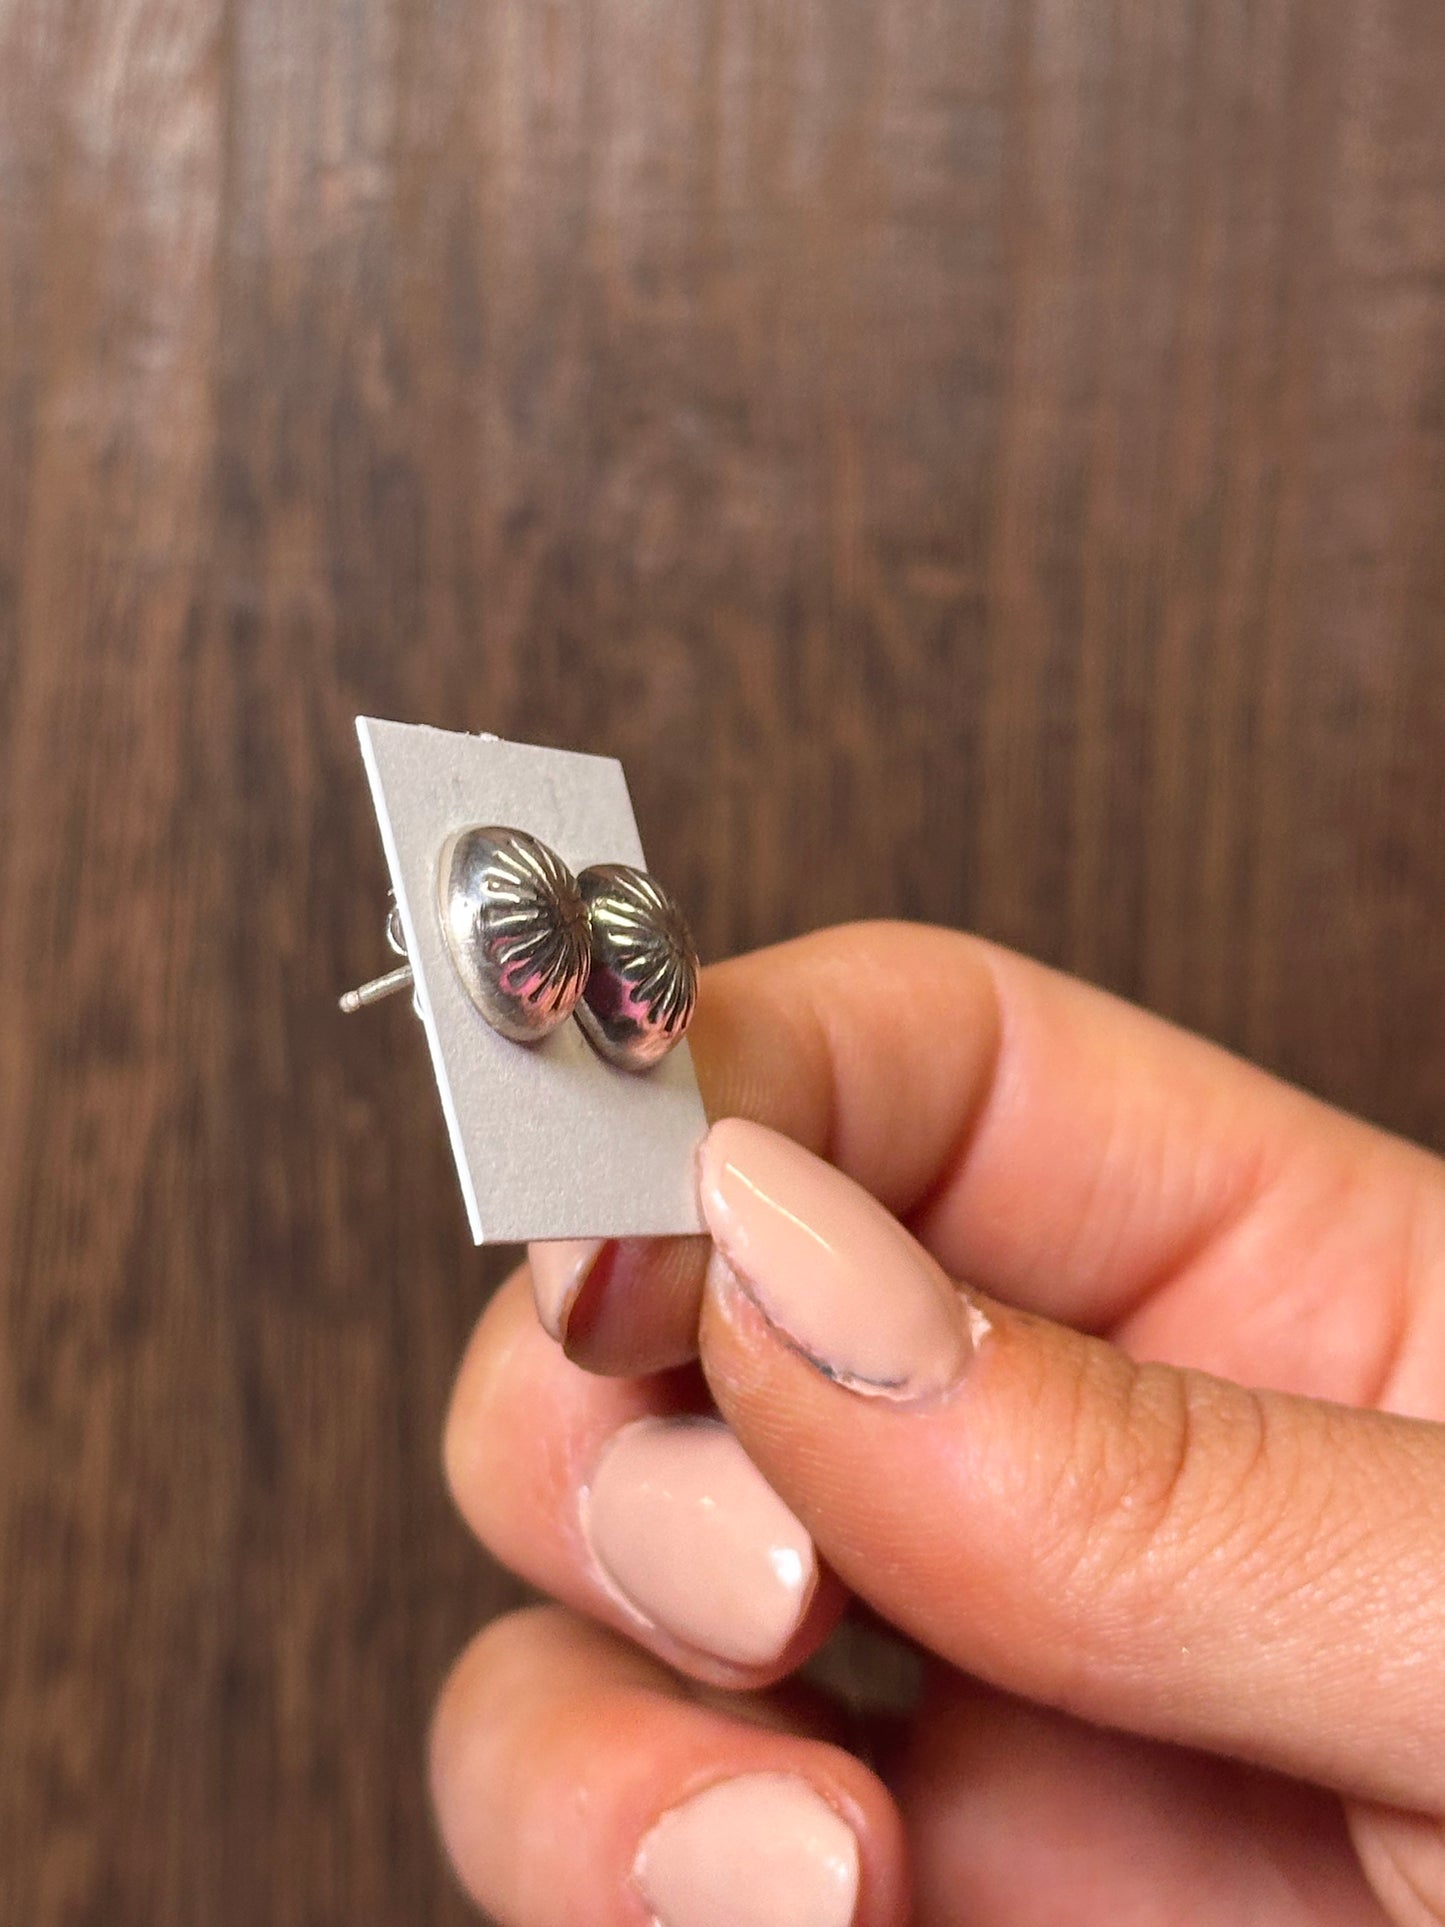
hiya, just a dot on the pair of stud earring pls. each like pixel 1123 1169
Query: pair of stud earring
pixel 534 945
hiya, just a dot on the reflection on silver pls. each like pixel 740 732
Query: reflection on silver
pixel 640 995
pixel 516 929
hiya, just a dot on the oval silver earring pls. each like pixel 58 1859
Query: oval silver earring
pixel 642 987
pixel 516 928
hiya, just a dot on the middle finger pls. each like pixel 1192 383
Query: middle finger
pixel 629 1501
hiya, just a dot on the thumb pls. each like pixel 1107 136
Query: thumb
pixel 1143 1547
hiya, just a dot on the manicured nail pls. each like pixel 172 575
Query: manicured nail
pixel 830 1268
pixel 559 1271
pixel 763 1850
pixel 685 1528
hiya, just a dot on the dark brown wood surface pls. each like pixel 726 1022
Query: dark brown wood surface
pixel 983 462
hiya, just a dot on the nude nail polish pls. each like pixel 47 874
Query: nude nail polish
pixel 559 1270
pixel 686 1531
pixel 826 1265
pixel 760 1850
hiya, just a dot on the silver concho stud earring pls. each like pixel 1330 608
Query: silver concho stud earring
pixel 516 928
pixel 640 993
pixel 550 1139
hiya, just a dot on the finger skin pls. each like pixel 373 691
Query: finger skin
pixel 524 1435
pixel 1070 1154
pixel 1145 1548
pixel 556 1748
pixel 637 1312
pixel 1020 1817
pixel 1403 1855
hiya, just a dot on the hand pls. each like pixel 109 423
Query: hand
pixel 1187 1634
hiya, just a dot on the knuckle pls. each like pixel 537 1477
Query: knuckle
pixel 1170 1474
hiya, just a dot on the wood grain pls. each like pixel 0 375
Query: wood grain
pixel 985 463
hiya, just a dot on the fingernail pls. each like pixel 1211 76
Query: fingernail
pixel 685 1528
pixel 825 1264
pixel 763 1850
pixel 559 1271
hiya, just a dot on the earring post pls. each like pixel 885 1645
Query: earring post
pixel 377 989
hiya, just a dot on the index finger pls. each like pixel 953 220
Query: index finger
pixel 1065 1151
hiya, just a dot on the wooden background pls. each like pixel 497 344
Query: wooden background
pixel 984 462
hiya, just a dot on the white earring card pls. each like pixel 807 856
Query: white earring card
pixel 550 1141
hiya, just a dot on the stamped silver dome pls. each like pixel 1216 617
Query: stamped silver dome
pixel 642 989
pixel 516 928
